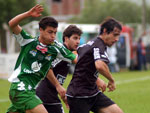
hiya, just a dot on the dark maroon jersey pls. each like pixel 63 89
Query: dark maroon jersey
pixel 46 91
pixel 83 83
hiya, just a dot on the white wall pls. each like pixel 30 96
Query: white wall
pixel 7 63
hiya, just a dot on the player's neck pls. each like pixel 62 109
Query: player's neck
pixel 102 37
pixel 66 45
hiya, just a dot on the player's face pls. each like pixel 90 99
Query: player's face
pixel 73 42
pixel 112 37
pixel 48 35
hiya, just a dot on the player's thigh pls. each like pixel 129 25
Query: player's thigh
pixel 38 109
pixel 54 108
pixel 79 105
pixel 102 101
pixel 114 108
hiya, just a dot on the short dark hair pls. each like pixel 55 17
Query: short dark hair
pixel 48 21
pixel 70 30
pixel 109 24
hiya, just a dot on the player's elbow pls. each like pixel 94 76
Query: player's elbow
pixel 10 23
pixel 16 29
pixel 99 65
pixel 100 68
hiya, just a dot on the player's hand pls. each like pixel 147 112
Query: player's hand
pixel 65 101
pixel 61 91
pixel 75 52
pixel 75 60
pixel 36 11
pixel 111 85
pixel 101 84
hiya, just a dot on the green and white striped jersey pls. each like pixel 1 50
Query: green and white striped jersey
pixel 35 60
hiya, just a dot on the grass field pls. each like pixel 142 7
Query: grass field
pixel 132 93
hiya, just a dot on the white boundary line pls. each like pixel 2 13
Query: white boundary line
pixel 117 82
pixel 4 100
pixel 133 80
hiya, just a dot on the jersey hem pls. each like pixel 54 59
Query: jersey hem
pixel 82 96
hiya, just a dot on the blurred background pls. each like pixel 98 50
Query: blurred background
pixel 132 51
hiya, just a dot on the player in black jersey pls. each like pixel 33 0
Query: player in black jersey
pixel 83 94
pixel 49 88
pixel 48 91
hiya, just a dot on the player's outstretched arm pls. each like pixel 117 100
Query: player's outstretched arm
pixel 104 70
pixel 33 12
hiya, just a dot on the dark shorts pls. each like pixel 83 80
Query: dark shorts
pixel 54 108
pixel 84 105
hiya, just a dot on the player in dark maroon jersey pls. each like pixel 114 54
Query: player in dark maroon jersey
pixel 83 94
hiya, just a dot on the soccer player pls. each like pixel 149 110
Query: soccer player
pixel 82 93
pixel 34 61
pixel 46 91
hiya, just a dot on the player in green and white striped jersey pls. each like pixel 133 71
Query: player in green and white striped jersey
pixel 34 61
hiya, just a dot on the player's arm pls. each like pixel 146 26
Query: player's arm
pixel 60 89
pixel 66 54
pixel 75 60
pixel 33 12
pixel 101 84
pixel 103 69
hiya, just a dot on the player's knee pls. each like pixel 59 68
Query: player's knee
pixel 118 109
pixel 111 109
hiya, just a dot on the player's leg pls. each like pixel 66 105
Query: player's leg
pixel 80 105
pixel 103 104
pixel 54 108
pixel 38 109
pixel 111 109
pixel 34 104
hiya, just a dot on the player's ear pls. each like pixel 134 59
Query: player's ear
pixel 104 31
pixel 66 38
pixel 41 29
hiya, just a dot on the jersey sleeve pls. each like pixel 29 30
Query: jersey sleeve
pixel 23 38
pixel 100 55
pixel 64 54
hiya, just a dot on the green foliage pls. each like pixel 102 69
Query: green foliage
pixel 96 11
pixel 148 14
pixel 11 8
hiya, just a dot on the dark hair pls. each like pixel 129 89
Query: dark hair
pixel 109 24
pixel 48 21
pixel 70 30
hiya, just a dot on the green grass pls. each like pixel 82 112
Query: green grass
pixel 132 96
pixel 4 102
pixel 132 93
